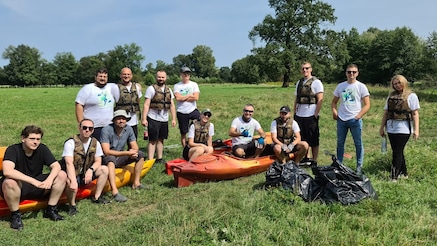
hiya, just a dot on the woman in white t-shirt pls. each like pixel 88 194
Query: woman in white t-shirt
pixel 400 120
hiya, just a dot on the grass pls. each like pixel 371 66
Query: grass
pixel 236 212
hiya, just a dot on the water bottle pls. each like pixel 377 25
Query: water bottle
pixel 146 133
pixel 384 144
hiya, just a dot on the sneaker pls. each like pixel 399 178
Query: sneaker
pixel 100 200
pixel 159 161
pixel 72 211
pixel 140 187
pixel 119 198
pixel 16 222
pixel 52 213
pixel 359 171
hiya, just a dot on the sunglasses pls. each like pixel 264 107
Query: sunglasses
pixel 306 68
pixel 351 72
pixel 187 73
pixel 248 111
pixel 207 114
pixel 90 128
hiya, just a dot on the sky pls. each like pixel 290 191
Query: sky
pixel 167 28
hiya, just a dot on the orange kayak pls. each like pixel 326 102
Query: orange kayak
pixel 123 177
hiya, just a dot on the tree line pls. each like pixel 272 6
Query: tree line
pixel 297 32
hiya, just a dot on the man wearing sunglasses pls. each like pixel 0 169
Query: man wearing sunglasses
pixel 82 159
pixel 354 100
pixel 199 137
pixel 242 130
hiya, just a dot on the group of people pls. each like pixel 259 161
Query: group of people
pixel 108 115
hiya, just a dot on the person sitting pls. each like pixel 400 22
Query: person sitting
pixel 82 157
pixel 199 137
pixel 23 176
pixel 242 130
pixel 286 137
pixel 113 140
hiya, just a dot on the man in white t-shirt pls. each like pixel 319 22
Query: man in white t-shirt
pixel 159 101
pixel 95 101
pixel 82 157
pixel 130 94
pixel 354 100
pixel 242 130
pixel 187 94
pixel 307 106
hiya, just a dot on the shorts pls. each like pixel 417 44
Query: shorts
pixel 157 129
pixel 121 161
pixel 185 152
pixel 81 180
pixel 184 120
pixel 249 148
pixel 309 129
pixel 29 191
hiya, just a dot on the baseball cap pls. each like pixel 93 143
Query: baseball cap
pixel 285 109
pixel 185 70
pixel 206 111
pixel 121 112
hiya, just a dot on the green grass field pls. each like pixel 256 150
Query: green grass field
pixel 236 212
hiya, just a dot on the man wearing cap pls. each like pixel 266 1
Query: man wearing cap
pixel 157 105
pixel 286 137
pixel 242 130
pixel 186 93
pixel 307 106
pixel 96 101
pixel 113 140
pixel 199 137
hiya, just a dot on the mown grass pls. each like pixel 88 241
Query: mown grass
pixel 236 212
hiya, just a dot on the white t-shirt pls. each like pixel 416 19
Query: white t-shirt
pixel 295 127
pixel 186 89
pixel 252 126
pixel 69 148
pixel 307 110
pixel 192 129
pixel 98 103
pixel 350 99
pixel 134 118
pixel 156 114
pixel 402 126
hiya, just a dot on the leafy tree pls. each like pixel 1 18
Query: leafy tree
pixel 124 56
pixel 295 32
pixel 88 66
pixel 203 62
pixel 66 68
pixel 24 65
pixel 225 74
pixel 429 61
pixel 245 71
pixel 182 60
pixel 49 74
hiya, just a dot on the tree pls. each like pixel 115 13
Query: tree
pixel 245 71
pixel 429 62
pixel 225 74
pixel 66 68
pixel 24 65
pixel 88 66
pixel 124 56
pixel 295 31
pixel 203 62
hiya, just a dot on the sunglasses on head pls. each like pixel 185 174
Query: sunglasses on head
pixel 351 72
pixel 88 127
pixel 248 111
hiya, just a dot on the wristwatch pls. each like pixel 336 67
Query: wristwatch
pixel 92 169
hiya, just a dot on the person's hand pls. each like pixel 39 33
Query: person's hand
pixel 46 184
pixel 290 147
pixel 245 133
pixel 284 148
pixel 88 176
pixel 261 141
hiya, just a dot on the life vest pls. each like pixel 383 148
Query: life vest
pixel 129 100
pixel 304 93
pixel 398 108
pixel 201 132
pixel 83 160
pixel 285 132
pixel 161 99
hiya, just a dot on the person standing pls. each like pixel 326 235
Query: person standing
pixel 307 106
pixel 159 101
pixel 95 101
pixel 187 94
pixel 242 130
pixel 286 137
pixel 23 176
pixel 130 94
pixel 82 157
pixel 400 120
pixel 113 140
pixel 354 100
pixel 199 137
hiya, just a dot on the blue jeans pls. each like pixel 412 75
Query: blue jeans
pixel 355 126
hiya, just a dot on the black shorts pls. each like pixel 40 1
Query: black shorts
pixel 29 191
pixel 249 148
pixel 185 152
pixel 157 129
pixel 184 120
pixel 309 129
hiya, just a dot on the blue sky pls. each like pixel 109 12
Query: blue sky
pixel 167 28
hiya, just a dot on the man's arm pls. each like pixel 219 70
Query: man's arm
pixel 319 99
pixel 146 108
pixel 334 107
pixel 364 108
pixel 9 171
pixel 79 112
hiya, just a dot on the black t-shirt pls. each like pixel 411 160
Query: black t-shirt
pixel 31 166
